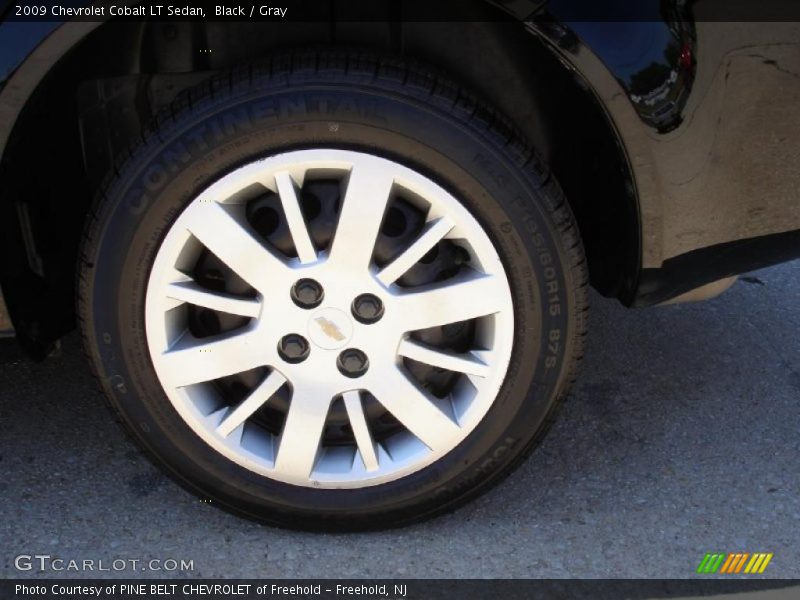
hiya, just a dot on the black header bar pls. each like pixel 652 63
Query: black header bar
pixel 404 10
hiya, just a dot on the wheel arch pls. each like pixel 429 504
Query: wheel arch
pixel 73 76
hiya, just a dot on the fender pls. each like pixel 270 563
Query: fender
pixel 705 110
pixel 28 50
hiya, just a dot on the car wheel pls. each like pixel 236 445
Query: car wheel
pixel 333 291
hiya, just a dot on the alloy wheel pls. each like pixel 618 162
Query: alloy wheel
pixel 329 318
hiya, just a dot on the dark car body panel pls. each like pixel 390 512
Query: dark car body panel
pixel 705 110
pixel 717 184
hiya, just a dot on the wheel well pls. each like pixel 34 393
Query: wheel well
pixel 95 101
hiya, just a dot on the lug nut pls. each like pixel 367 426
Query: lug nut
pixel 352 362
pixel 367 309
pixel 307 293
pixel 293 348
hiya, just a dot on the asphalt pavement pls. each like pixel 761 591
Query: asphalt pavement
pixel 682 437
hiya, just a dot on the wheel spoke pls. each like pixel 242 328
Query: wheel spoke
pixel 233 244
pixel 301 435
pixel 433 234
pixel 358 422
pixel 252 403
pixel 294 218
pixel 361 216
pixel 414 408
pixel 190 292
pixel 196 361
pixel 460 363
pixel 450 302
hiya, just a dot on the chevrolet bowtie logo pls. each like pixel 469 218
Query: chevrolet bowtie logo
pixel 329 328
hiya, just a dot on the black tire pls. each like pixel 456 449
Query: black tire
pixel 392 108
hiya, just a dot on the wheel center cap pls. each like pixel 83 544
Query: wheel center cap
pixel 330 328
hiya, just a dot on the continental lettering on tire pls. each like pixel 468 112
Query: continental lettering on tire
pixel 196 142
